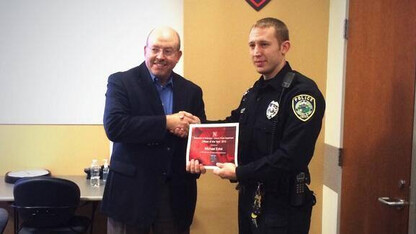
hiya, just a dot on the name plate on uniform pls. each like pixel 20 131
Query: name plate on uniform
pixel 213 143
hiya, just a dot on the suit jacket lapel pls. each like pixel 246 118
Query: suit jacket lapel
pixel 178 94
pixel 149 89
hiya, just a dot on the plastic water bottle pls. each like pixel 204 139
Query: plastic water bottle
pixel 105 170
pixel 95 174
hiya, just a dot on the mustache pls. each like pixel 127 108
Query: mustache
pixel 161 62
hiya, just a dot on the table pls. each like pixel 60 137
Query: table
pixel 88 193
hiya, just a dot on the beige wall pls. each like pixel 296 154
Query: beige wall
pixel 216 58
pixel 63 149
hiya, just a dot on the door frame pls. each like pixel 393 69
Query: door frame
pixel 412 197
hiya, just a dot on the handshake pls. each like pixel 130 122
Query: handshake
pixel 178 123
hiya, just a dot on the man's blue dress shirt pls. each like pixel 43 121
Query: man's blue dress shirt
pixel 165 93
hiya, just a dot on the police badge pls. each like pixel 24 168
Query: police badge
pixel 272 109
pixel 303 106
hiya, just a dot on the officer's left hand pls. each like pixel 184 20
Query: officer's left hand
pixel 226 171
pixel 195 167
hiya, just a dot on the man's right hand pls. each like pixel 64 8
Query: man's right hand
pixel 178 123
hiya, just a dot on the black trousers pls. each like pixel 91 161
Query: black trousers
pixel 163 224
pixel 277 217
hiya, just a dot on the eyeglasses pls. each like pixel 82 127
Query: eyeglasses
pixel 165 51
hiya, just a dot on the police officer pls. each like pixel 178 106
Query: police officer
pixel 280 119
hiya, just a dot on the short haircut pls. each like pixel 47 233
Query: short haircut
pixel 280 28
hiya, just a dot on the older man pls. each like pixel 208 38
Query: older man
pixel 147 114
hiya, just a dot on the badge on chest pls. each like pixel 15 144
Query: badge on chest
pixel 272 109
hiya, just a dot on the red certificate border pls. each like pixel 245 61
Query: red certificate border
pixel 223 126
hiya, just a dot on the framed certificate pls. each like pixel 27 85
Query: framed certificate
pixel 212 143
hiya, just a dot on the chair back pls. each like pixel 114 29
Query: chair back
pixel 4 217
pixel 45 201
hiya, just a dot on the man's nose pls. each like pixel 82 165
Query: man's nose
pixel 160 54
pixel 256 51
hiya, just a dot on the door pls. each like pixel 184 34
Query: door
pixel 378 115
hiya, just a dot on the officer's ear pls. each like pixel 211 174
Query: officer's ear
pixel 284 47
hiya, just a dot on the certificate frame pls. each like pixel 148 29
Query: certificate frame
pixel 212 143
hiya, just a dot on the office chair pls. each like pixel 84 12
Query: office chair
pixel 4 217
pixel 47 205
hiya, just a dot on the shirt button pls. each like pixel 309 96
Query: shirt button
pixel 168 148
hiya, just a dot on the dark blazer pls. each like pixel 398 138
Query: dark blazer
pixel 144 152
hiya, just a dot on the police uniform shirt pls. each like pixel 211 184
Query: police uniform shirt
pixel 295 118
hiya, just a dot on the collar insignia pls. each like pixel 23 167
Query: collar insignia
pixel 303 106
pixel 272 109
pixel 245 93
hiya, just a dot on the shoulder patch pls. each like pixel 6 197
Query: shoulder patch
pixel 303 106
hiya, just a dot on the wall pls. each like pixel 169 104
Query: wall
pixel 334 116
pixel 56 55
pixel 216 49
pixel 63 149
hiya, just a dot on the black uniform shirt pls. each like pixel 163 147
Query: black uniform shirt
pixel 296 124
